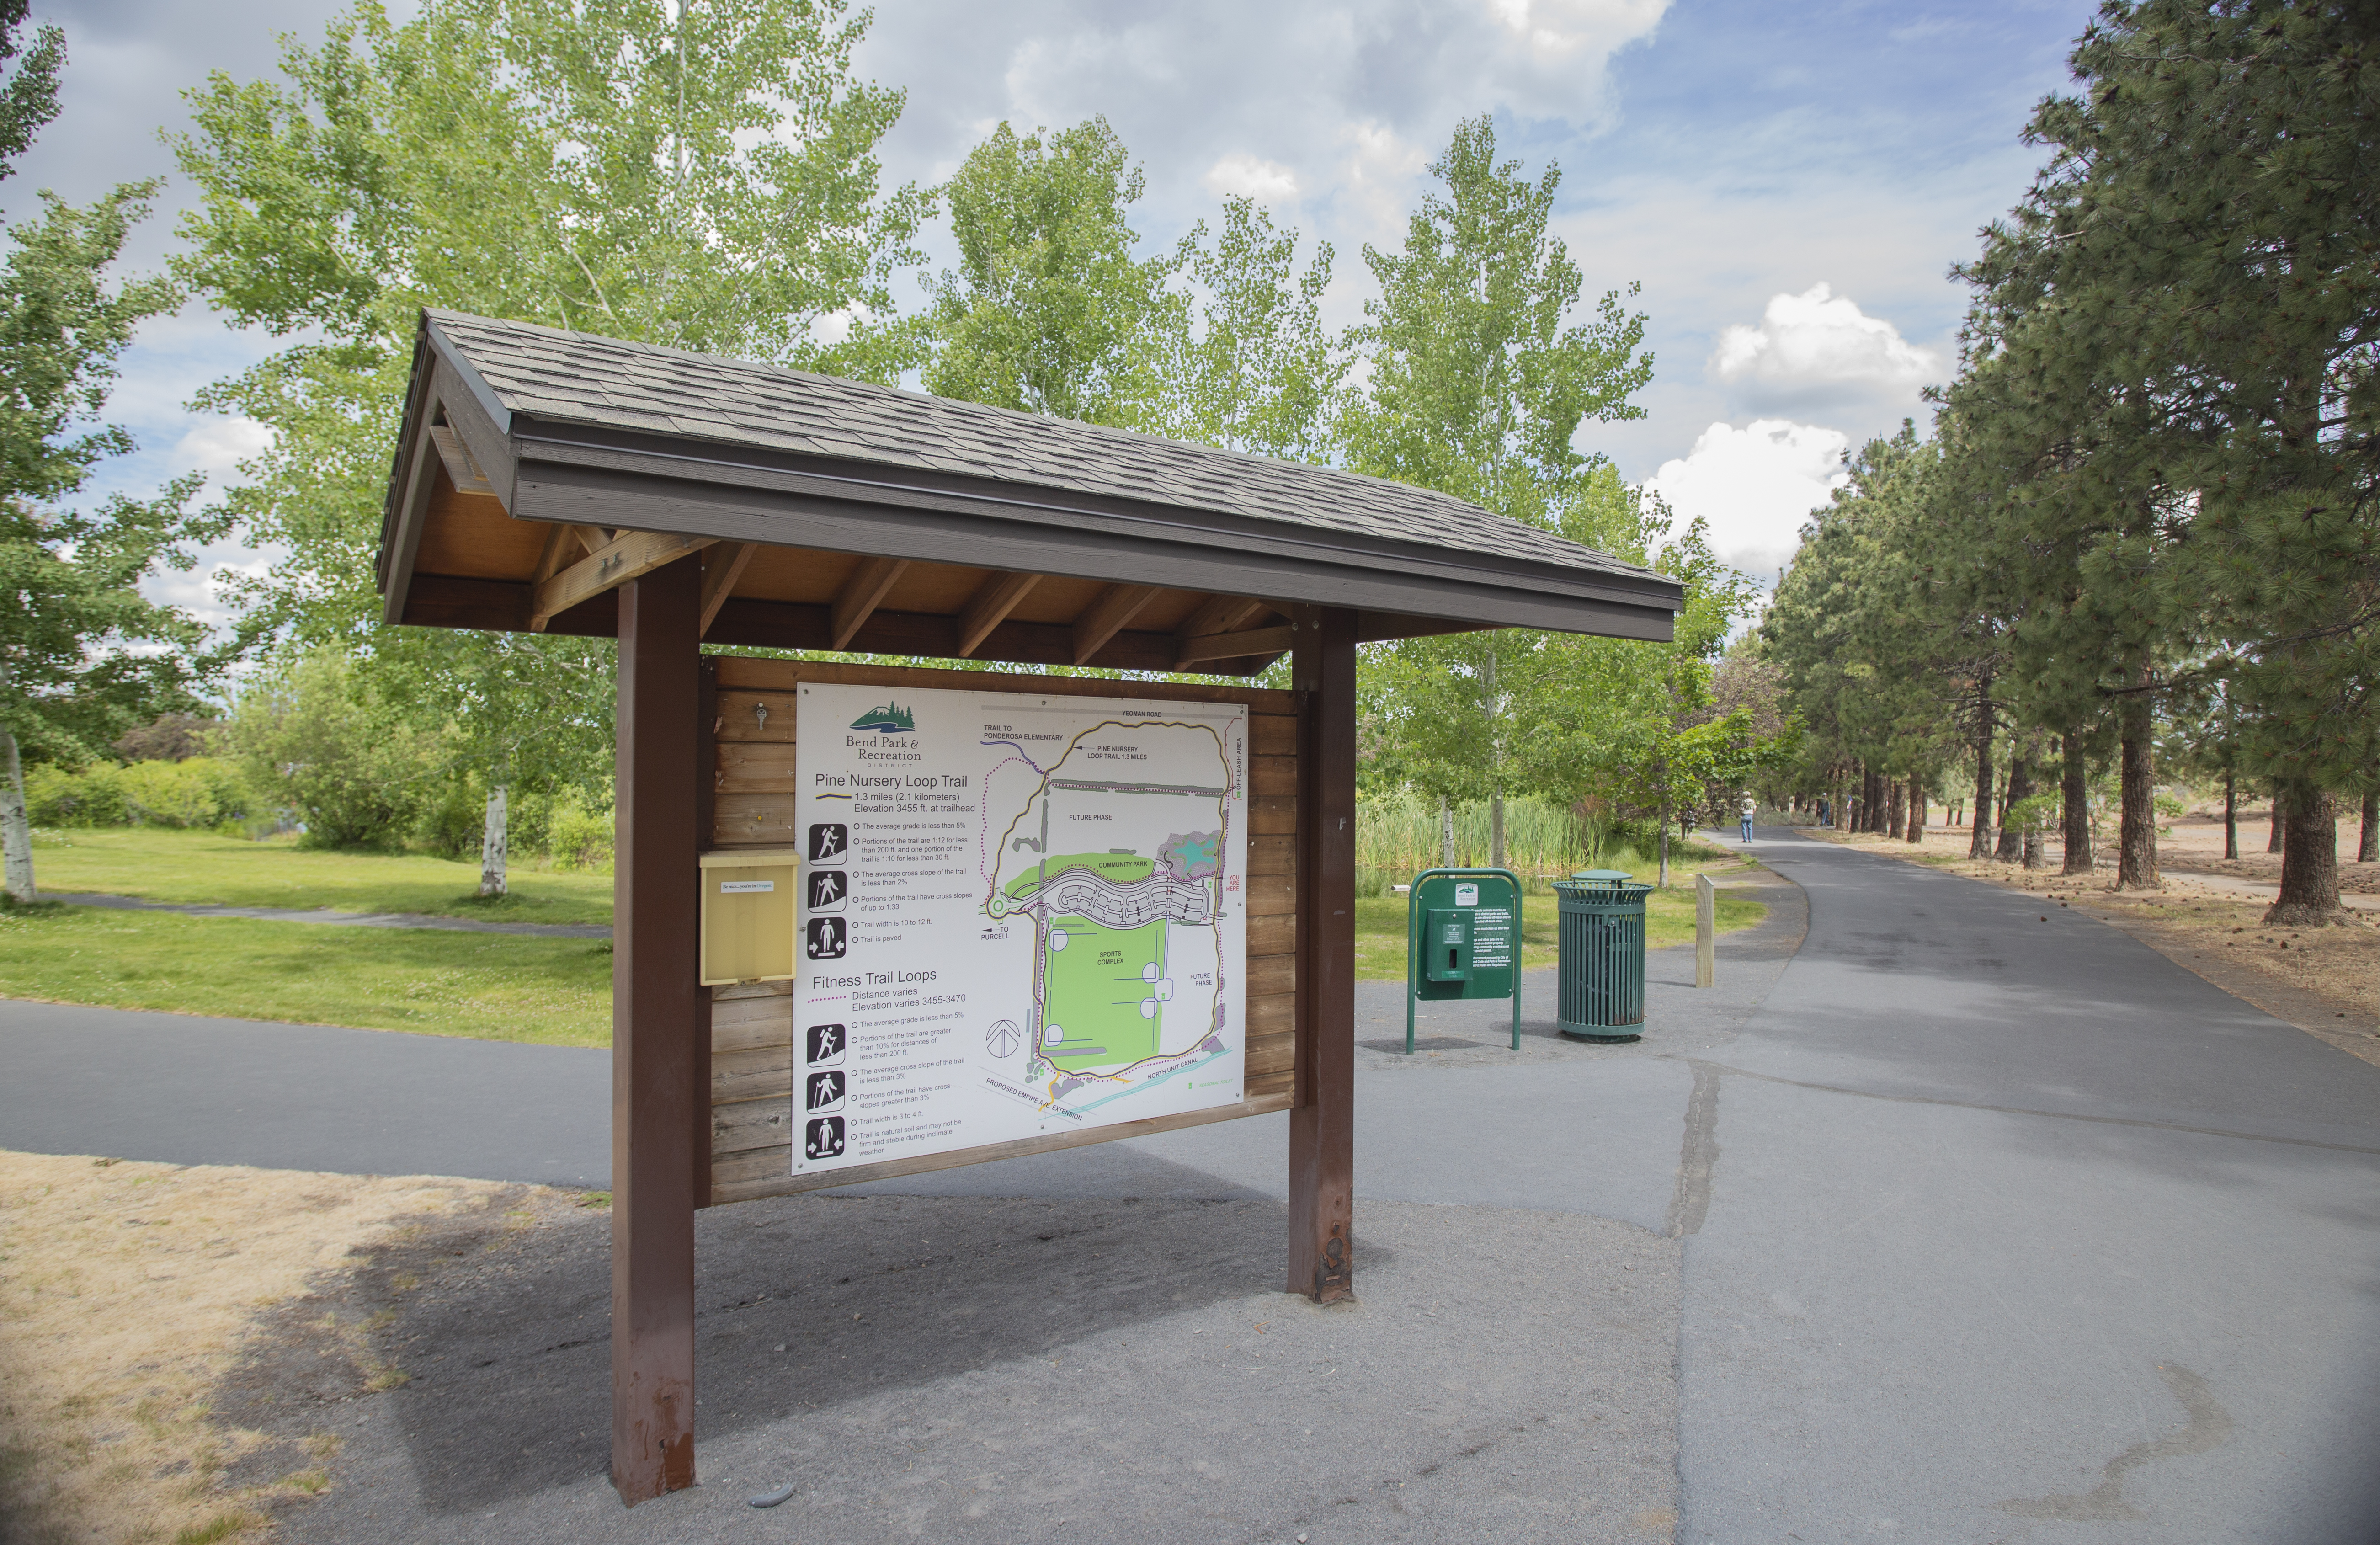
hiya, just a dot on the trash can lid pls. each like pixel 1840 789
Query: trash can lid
pixel 1603 876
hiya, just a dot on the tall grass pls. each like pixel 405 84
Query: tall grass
pixel 1398 835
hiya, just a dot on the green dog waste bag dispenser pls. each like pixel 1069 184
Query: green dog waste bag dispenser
pixel 1462 939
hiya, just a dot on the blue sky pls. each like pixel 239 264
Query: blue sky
pixel 1789 184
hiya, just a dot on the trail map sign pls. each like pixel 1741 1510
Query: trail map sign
pixel 1021 915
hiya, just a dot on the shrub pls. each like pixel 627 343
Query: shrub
pixel 63 796
pixel 577 837
pixel 326 742
pixel 199 792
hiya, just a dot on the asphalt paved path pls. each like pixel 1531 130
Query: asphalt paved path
pixel 1989 1224
pixel 2017 1230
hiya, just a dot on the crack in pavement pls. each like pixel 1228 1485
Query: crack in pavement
pixel 2209 1426
pixel 1698 1153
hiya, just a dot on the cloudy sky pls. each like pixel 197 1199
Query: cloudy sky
pixel 1789 184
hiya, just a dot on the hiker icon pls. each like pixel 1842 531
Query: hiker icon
pixel 828 841
pixel 826 1090
pixel 828 887
pixel 826 1045
pixel 827 941
pixel 825 1140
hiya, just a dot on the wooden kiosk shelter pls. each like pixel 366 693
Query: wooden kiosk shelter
pixel 558 482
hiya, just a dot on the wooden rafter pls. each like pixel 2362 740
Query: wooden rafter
pixel 629 555
pixel 1106 616
pixel 861 594
pixel 1232 646
pixel 990 607
pixel 722 566
pixel 465 472
pixel 1218 613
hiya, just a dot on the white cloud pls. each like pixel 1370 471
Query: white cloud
pixel 217 446
pixel 1755 485
pixel 1820 339
pixel 1555 32
pixel 1248 177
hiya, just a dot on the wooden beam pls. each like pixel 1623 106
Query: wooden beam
pixel 1106 616
pixel 1322 1119
pixel 1219 613
pixel 1231 646
pixel 469 478
pixel 862 593
pixel 660 1036
pixel 722 566
pixel 630 555
pixel 990 608
pixel 593 539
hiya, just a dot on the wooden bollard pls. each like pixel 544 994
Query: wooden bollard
pixel 1706 931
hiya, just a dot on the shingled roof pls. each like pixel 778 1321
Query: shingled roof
pixel 571 427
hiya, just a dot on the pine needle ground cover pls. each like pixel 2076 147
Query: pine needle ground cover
pixel 205 868
pixel 492 986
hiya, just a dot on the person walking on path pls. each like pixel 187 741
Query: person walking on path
pixel 1750 806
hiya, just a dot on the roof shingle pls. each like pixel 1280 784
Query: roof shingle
pixel 608 382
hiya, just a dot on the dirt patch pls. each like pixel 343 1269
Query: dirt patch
pixel 2194 844
pixel 2324 980
pixel 140 1303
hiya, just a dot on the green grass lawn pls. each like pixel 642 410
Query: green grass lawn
pixel 499 987
pixel 1668 919
pixel 493 986
pixel 159 864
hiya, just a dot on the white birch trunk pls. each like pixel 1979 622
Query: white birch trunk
pixel 16 831
pixel 491 845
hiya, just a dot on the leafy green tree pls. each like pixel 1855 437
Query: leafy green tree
pixel 1478 377
pixel 1248 365
pixel 703 177
pixel 84 657
pixel 1048 310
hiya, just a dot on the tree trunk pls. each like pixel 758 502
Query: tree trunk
pixel 2074 797
pixel 1895 809
pixel 2231 815
pixel 2275 838
pixel 2367 845
pixel 2308 895
pixel 1664 875
pixel 2019 787
pixel 1446 830
pixel 1872 802
pixel 2136 856
pixel 491 845
pixel 1496 829
pixel 1916 812
pixel 15 832
pixel 1979 829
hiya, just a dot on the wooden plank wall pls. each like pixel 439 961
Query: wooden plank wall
pixel 752 1127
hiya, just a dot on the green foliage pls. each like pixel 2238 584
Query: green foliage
pixel 324 738
pixel 30 97
pixel 1479 376
pixel 1048 310
pixel 1253 369
pixel 198 792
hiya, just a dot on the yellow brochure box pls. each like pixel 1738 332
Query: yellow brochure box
pixel 749 920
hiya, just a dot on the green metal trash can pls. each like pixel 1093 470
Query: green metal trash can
pixel 1601 976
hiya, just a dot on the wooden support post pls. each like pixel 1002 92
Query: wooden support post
pixel 1706 931
pixel 1322 1122
pixel 657 1032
